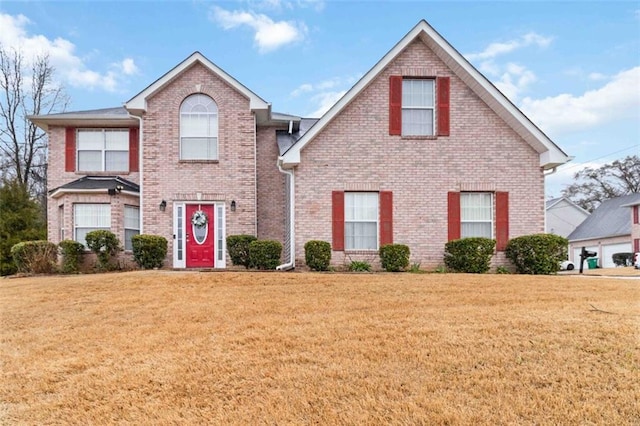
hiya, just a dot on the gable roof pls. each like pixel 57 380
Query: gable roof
pixel 550 154
pixel 612 218
pixel 555 201
pixel 138 103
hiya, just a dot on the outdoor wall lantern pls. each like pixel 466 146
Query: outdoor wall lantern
pixel 233 205
pixel 163 205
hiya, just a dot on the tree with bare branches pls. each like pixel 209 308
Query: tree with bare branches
pixel 593 186
pixel 27 87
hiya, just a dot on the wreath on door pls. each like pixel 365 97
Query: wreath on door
pixel 199 219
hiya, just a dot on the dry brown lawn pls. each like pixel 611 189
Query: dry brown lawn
pixel 290 348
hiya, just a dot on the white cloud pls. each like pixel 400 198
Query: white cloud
pixel 596 76
pixel 269 35
pixel 616 100
pixel 497 49
pixel 515 80
pixel 564 176
pixel 69 67
pixel 325 101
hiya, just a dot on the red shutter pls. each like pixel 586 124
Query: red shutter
pixel 454 215
pixel 70 149
pixel 636 245
pixel 134 144
pixel 502 220
pixel 635 214
pixel 443 105
pixel 395 105
pixel 337 202
pixel 386 217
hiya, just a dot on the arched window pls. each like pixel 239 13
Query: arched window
pixel 198 128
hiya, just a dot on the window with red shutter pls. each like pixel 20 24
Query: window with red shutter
pixel 134 144
pixel 453 210
pixel 386 217
pixel 635 214
pixel 395 105
pixel 70 149
pixel 443 105
pixel 337 201
pixel 502 220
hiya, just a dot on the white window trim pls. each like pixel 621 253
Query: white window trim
pixel 124 223
pixel 75 221
pixel 432 108
pixel 103 150
pixel 492 214
pixel 377 222
pixel 216 135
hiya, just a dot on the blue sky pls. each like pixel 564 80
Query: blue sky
pixel 572 67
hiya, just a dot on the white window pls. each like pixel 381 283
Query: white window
pixel 476 210
pixel 131 225
pixel 417 107
pixel 103 150
pixel 198 128
pixel 361 220
pixel 90 217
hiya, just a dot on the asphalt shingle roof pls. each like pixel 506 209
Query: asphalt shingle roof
pixel 100 182
pixel 608 220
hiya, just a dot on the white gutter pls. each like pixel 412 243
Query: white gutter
pixel 255 175
pixel 140 169
pixel 292 214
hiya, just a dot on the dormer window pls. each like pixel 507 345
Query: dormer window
pixel 198 128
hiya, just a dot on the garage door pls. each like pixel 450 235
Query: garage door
pixel 576 255
pixel 609 250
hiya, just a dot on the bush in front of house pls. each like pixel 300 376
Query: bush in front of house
pixel 622 259
pixel 394 257
pixel 265 254
pixel 149 251
pixel 238 248
pixel 35 257
pixel 359 266
pixel 538 254
pixel 317 255
pixel 469 255
pixel 72 252
pixel 105 245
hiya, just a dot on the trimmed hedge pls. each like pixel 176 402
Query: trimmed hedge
pixel 35 257
pixel 469 255
pixel 394 257
pixel 149 251
pixel 238 248
pixel 622 259
pixel 105 245
pixel 265 254
pixel 72 252
pixel 539 254
pixel 317 255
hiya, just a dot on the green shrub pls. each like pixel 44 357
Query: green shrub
pixel 394 257
pixel 537 254
pixel 265 254
pixel 317 255
pixel 105 245
pixel 622 259
pixel 502 270
pixel 72 252
pixel 238 248
pixel 35 257
pixel 149 251
pixel 415 268
pixel 469 255
pixel 360 266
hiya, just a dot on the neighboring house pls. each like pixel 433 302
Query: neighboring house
pixel 563 216
pixel 422 150
pixel 608 230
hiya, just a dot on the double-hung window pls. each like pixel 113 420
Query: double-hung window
pixel 131 225
pixel 361 220
pixel 103 150
pixel 418 106
pixel 476 214
pixel 198 128
pixel 90 217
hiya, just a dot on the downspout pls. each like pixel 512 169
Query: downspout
pixel 255 176
pixel 140 169
pixel 292 236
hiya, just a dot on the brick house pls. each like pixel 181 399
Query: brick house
pixel 423 149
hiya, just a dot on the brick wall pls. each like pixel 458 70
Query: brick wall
pixel 271 196
pixel 166 177
pixel 355 151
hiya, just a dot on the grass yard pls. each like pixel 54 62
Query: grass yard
pixel 189 348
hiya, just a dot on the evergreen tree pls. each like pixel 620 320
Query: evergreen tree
pixel 20 220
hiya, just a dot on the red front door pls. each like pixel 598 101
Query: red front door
pixel 199 236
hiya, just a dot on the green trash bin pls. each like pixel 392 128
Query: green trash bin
pixel 592 262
